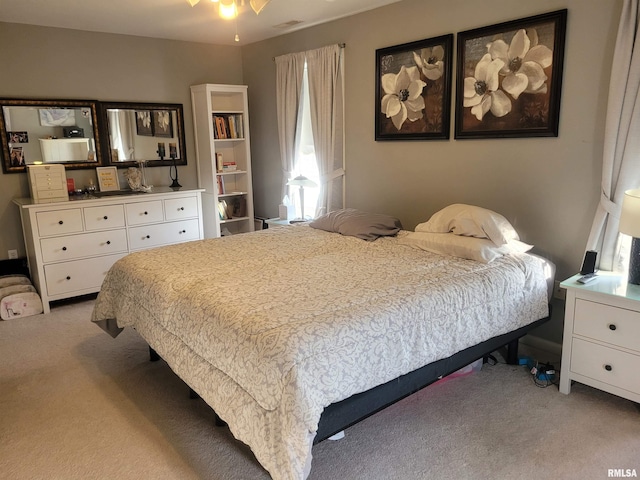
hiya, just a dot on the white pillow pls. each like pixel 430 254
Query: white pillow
pixel 473 248
pixel 470 221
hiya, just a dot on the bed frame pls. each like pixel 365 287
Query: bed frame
pixel 341 415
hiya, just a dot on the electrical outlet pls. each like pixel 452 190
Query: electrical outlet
pixel 13 254
pixel 559 293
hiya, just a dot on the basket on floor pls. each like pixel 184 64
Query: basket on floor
pixel 18 297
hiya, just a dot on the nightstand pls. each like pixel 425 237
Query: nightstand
pixel 277 221
pixel 601 343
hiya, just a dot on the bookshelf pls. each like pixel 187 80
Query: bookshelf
pixel 223 153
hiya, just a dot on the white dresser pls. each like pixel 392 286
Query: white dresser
pixel 71 245
pixel 601 344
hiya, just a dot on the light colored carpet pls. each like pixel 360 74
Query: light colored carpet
pixel 77 404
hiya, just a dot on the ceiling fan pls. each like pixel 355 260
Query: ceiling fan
pixel 256 5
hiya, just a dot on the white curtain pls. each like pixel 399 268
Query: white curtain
pixel 324 69
pixel 621 161
pixel 289 71
pixel 121 133
pixel 326 85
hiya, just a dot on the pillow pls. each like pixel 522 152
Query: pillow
pixel 470 221
pixel 367 226
pixel 478 249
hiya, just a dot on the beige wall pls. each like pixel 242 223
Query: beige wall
pixel 59 63
pixel 547 187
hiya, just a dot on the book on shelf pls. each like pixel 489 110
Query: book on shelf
pixel 219 162
pixel 232 127
pixel 222 210
pixel 228 126
pixel 219 130
pixel 240 126
pixel 220 185
pixel 229 166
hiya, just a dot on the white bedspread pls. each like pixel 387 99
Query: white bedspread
pixel 271 327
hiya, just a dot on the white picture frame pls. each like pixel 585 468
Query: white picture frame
pixel 108 179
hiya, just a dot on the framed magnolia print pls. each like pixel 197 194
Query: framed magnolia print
pixel 413 90
pixel 107 179
pixel 162 123
pixel 144 123
pixel 509 78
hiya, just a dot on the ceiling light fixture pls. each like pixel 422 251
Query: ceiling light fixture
pixel 228 9
pixel 256 5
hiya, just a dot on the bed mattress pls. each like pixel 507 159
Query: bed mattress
pixel 271 327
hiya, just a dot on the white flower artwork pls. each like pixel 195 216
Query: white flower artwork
pixel 413 93
pixel 509 78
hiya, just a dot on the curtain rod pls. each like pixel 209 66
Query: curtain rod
pixel 341 45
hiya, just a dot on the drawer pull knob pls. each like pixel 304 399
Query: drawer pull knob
pixel 148 236
pixel 105 217
pixel 181 208
pixel 60 222
pixel 612 326
pixel 146 213
pixel 183 231
pixel 68 277
pixel 108 242
pixel 608 368
pixel 64 249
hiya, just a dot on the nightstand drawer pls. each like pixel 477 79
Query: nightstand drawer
pixel 614 325
pixel 606 365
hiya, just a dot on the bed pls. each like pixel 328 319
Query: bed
pixel 293 333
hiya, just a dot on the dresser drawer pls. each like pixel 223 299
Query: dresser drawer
pixel 162 234
pixel 605 323
pixel 57 249
pixel 48 193
pixel 606 365
pixel 144 212
pixel 59 222
pixel 100 218
pixel 78 275
pixel 179 208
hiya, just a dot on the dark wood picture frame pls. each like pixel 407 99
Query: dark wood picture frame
pixel 162 123
pixel 144 123
pixel 509 78
pixel 413 90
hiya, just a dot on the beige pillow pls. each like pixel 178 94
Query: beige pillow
pixel 473 248
pixel 470 221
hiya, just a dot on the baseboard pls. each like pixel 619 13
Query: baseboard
pixel 542 344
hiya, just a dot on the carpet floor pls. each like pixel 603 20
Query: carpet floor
pixel 78 404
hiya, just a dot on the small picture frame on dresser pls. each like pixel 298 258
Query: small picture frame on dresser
pixel 107 179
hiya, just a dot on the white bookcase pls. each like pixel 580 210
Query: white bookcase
pixel 221 125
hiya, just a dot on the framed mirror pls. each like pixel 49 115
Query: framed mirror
pixel 149 132
pixel 49 131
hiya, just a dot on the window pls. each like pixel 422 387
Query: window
pixel 305 159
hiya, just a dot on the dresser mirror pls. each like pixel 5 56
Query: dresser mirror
pixel 49 131
pixel 143 132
